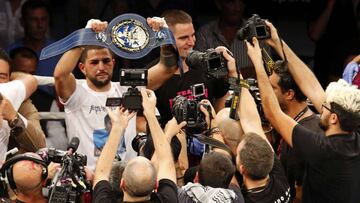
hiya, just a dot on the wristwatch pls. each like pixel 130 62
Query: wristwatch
pixel 17 125
pixel 15 122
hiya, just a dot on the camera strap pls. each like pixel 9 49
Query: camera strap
pixel 214 143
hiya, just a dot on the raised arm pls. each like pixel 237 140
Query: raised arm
pixel 163 153
pixel 303 76
pixel 65 83
pixel 167 65
pixel 278 119
pixel 29 81
pixel 119 120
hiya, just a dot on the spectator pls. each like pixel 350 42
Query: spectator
pixel 140 177
pixel 293 103
pixel 332 161
pixel 35 20
pixel 10 28
pixel 350 74
pixel 26 174
pixel 85 100
pixel 31 138
pixel 25 60
pixel 14 93
pixel 222 31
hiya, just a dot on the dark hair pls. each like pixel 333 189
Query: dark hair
pixel 24 52
pixel 216 170
pixel 287 82
pixel 4 56
pixel 33 4
pixel 349 121
pixel 87 48
pixel 149 149
pixel 256 156
pixel 176 16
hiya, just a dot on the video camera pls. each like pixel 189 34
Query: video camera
pixel 188 110
pixel 70 182
pixel 131 99
pixel 254 27
pixel 213 62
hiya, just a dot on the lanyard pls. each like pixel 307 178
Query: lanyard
pixel 301 113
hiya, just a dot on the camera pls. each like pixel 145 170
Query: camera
pixel 131 99
pixel 139 141
pixel 188 110
pixel 254 27
pixel 70 182
pixel 213 62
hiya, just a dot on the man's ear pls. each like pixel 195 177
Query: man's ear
pixel 333 119
pixel 122 184
pixel 242 169
pixel 196 179
pixel 82 68
pixel 290 94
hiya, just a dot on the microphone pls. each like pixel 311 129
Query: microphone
pixel 73 145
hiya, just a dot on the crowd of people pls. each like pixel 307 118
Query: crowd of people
pixel 201 133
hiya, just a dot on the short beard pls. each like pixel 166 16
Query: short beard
pixel 99 84
pixel 323 126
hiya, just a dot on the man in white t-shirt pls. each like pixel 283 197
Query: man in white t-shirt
pixel 85 101
pixel 13 94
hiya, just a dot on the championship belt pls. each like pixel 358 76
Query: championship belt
pixel 128 36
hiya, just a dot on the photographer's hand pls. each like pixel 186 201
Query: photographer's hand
pixel 120 116
pixel 172 128
pixel 231 64
pixel 209 118
pixel 274 41
pixel 149 102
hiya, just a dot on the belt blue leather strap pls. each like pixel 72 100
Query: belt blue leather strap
pixel 128 36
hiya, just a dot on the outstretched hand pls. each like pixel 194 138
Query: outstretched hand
pixel 254 52
pixel 120 116
pixel 172 127
pixel 148 101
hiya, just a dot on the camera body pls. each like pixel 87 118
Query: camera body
pixel 213 62
pixel 70 182
pixel 254 27
pixel 131 99
pixel 188 110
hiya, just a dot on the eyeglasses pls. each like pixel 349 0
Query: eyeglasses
pixel 329 109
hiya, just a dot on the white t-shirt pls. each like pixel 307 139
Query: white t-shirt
pixel 85 112
pixel 15 92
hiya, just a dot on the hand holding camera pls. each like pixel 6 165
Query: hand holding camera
pixel 120 116
pixel 209 115
pixel 148 101
pixel 173 127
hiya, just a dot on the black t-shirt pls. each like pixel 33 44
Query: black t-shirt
pixel 177 85
pixel 277 190
pixel 166 192
pixel 293 165
pixel 332 172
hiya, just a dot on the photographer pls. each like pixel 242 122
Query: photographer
pixel 332 161
pixel 140 177
pixel 27 174
pixel 180 23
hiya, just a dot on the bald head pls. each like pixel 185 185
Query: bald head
pixel 139 177
pixel 231 129
pixel 27 175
